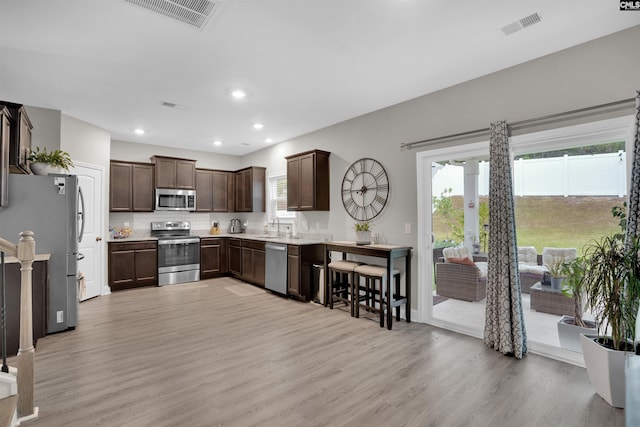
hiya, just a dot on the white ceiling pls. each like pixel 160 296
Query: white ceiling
pixel 305 64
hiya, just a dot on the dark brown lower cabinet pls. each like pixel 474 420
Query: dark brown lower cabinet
pixel 300 260
pixel 133 264
pixel 213 257
pixel 39 286
pixel 253 262
pixel 235 257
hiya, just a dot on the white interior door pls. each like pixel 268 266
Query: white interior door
pixel 91 246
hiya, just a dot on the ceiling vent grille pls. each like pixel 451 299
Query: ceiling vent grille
pixel 520 24
pixel 530 20
pixel 195 13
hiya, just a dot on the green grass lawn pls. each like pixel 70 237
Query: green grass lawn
pixel 554 221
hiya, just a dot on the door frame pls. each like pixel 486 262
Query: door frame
pixel 614 129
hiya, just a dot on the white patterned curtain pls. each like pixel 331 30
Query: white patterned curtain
pixel 633 212
pixel 504 328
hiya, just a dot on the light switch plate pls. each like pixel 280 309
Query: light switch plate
pixel 407 228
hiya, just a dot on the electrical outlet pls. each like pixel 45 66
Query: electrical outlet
pixel 60 316
pixel 407 228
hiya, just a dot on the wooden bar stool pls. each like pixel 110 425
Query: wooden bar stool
pixel 375 275
pixel 340 285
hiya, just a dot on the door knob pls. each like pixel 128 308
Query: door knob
pixel 98 238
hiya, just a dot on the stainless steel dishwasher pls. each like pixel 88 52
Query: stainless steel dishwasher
pixel 276 274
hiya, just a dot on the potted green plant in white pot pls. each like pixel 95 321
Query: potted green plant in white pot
pixel 363 233
pixel 44 162
pixel 612 285
pixel 570 327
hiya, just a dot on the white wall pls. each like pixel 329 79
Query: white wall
pixel 46 127
pixel 85 142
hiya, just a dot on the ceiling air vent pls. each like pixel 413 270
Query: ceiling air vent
pixel 530 20
pixel 195 13
pixel 520 24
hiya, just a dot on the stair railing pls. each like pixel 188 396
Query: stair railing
pixel 25 252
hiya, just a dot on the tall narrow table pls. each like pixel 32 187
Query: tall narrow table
pixel 389 253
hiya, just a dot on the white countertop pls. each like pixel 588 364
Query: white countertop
pixel 138 236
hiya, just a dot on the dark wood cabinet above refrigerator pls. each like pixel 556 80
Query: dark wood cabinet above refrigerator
pixel 20 138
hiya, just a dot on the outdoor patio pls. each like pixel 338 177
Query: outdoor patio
pixel 541 327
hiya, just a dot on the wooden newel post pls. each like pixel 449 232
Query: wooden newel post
pixel 26 353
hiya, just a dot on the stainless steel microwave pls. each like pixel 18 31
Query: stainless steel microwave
pixel 168 199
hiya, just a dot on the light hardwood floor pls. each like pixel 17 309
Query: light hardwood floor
pixel 224 353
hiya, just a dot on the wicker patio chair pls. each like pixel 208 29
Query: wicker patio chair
pixel 460 277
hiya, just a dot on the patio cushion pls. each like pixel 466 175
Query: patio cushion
pixel 456 252
pixel 527 255
pixel 465 261
pixel 551 255
pixel 482 266
pixel 534 269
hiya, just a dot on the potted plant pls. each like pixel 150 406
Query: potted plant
pixel 363 233
pixel 556 271
pixel 612 285
pixel 570 328
pixel 44 162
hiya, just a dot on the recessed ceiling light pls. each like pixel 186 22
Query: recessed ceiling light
pixel 238 94
pixel 139 131
pixel 258 126
pixel 217 143
pixel 268 140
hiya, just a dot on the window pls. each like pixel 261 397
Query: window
pixel 278 198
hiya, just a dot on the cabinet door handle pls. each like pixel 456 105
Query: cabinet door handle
pixel 98 238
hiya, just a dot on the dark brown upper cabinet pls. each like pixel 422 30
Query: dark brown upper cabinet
pixel 176 173
pixel 308 181
pixel 214 190
pixel 250 189
pixel 131 187
pixel 20 138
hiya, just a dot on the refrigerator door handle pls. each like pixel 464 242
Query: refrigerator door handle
pixel 81 214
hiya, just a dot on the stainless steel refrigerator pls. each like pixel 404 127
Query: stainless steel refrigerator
pixel 52 207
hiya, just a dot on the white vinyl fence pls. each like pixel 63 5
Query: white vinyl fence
pixel 585 175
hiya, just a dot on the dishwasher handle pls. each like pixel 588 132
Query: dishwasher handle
pixel 276 247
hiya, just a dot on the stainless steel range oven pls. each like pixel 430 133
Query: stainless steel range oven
pixel 178 252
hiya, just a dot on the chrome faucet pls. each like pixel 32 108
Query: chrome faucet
pixel 276 221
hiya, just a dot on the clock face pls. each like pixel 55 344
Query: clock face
pixel 365 189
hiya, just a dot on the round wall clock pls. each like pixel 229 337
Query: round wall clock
pixel 365 189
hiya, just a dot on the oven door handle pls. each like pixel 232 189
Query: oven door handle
pixel 177 241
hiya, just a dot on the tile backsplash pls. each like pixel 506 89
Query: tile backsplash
pixel 141 221
pixel 312 226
